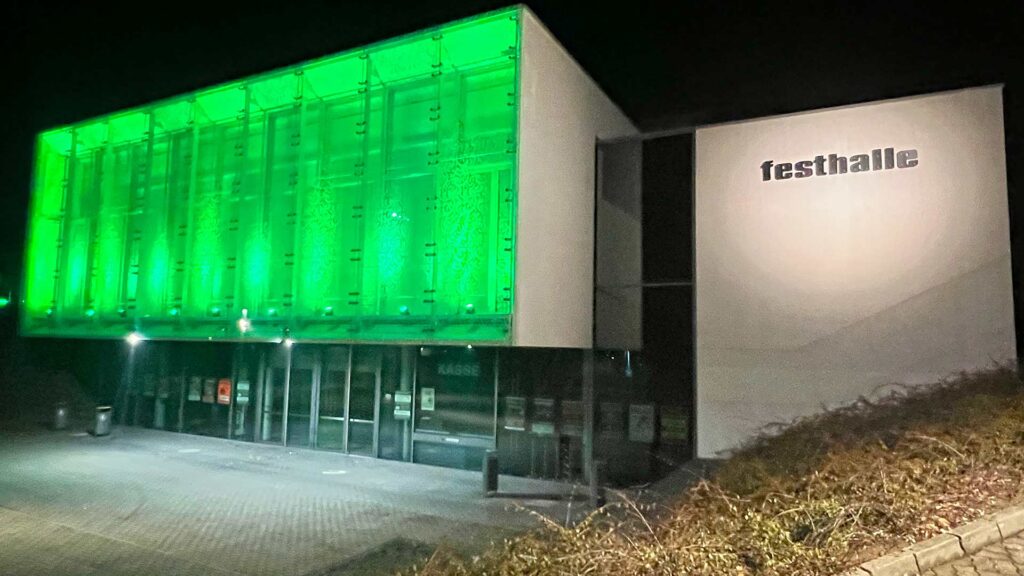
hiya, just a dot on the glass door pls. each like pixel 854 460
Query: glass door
pixel 271 401
pixel 333 396
pixel 247 375
pixel 364 401
pixel 299 397
pixel 396 376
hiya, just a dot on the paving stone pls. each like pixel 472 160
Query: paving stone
pixel 1010 522
pixel 1004 558
pixel 937 551
pixel 977 535
pixel 147 502
pixel 895 565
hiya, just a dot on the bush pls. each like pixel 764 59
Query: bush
pixel 824 494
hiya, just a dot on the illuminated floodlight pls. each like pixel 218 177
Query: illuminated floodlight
pixel 4 301
pixel 133 339
pixel 288 342
pixel 470 309
pixel 90 312
pixel 244 324
pixel 403 310
pixel 469 346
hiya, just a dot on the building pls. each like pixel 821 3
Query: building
pixel 386 252
pixel 440 244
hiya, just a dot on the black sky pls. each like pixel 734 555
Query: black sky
pixel 665 64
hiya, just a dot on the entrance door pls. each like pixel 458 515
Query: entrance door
pixel 246 378
pixel 364 401
pixel 272 400
pixel 333 396
pixel 300 395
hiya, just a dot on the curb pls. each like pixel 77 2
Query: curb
pixel 946 547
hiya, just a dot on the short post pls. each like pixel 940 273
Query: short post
pixel 60 415
pixel 597 482
pixel 490 472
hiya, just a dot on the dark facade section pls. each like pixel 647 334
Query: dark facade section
pixel 668 209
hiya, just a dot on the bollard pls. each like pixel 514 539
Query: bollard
pixel 597 482
pixel 60 415
pixel 101 427
pixel 490 472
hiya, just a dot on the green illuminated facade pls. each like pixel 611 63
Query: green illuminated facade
pixel 367 196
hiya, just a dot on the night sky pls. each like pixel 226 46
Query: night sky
pixel 666 65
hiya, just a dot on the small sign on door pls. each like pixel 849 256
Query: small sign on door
pixel 427 399
pixel 243 393
pixel 403 405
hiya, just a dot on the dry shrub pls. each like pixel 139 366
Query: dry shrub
pixel 821 495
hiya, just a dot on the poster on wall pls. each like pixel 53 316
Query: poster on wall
pixel 224 391
pixel 840 251
pixel 515 413
pixel 572 418
pixel 641 423
pixel 611 423
pixel 195 389
pixel 210 391
pixel 543 421
pixel 674 425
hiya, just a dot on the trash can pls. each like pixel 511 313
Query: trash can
pixel 490 472
pixel 60 415
pixel 101 427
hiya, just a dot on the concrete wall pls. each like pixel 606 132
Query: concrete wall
pixel 562 115
pixel 814 291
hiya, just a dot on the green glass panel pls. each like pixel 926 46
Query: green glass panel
pixel 365 196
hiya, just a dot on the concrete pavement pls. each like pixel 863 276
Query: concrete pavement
pixel 150 502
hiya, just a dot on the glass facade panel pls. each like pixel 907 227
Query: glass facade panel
pixel 367 196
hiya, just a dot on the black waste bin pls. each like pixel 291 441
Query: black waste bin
pixel 60 415
pixel 101 427
pixel 490 472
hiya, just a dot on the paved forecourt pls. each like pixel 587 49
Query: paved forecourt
pixel 149 502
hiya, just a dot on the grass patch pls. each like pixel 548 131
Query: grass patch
pixel 824 494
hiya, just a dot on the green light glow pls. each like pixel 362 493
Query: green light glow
pixel 366 196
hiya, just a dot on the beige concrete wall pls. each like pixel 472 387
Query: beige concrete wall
pixel 811 292
pixel 562 115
